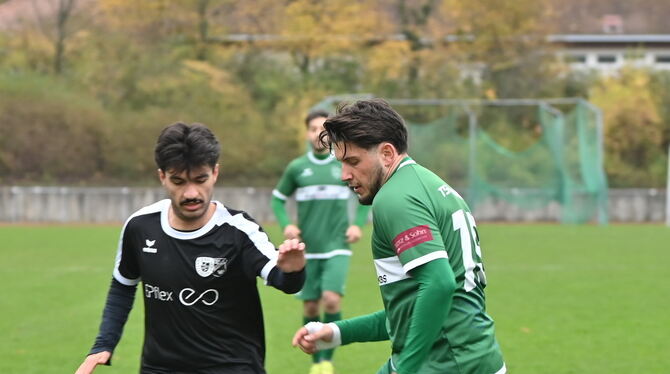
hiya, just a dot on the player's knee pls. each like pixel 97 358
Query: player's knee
pixel 331 301
pixel 311 308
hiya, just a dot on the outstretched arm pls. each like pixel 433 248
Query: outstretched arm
pixel 289 273
pixel 316 336
pixel 117 307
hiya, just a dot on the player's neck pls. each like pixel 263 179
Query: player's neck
pixel 321 155
pixel 394 166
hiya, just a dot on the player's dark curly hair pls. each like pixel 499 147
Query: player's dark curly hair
pixel 184 147
pixel 366 123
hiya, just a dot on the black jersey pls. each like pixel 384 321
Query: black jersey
pixel 202 308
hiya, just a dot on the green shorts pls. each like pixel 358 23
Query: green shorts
pixel 491 363
pixel 324 275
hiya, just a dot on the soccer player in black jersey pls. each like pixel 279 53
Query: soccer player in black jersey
pixel 197 262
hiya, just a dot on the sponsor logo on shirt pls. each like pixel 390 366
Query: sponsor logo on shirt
pixel 206 266
pixel 154 292
pixel 148 248
pixel 307 172
pixel 189 296
pixel 411 238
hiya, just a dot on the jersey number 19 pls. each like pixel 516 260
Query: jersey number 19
pixel 465 223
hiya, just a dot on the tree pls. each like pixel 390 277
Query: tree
pixel 55 20
pixel 633 130
pixel 508 39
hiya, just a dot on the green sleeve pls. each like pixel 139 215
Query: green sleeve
pixel 285 188
pixel 437 285
pixel 367 328
pixel 362 213
pixel 279 208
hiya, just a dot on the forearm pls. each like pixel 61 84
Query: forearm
pixel 117 307
pixel 436 289
pixel 362 213
pixel 279 208
pixel 367 328
pixel 286 282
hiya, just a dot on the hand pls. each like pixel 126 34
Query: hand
pixel 292 232
pixel 291 256
pixel 307 341
pixel 353 234
pixel 92 361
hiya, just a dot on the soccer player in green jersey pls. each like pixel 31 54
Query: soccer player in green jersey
pixel 323 225
pixel 426 252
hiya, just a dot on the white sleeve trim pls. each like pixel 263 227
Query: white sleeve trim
pixel 424 259
pixel 123 280
pixel 327 255
pixel 279 195
pixel 259 239
pixel 502 370
pixel 265 272
pixel 153 208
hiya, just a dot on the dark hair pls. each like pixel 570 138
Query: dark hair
pixel 366 123
pixel 184 147
pixel 319 113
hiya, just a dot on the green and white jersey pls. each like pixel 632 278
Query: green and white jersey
pixel 418 218
pixel 322 200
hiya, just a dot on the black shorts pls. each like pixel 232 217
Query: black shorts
pixel 222 369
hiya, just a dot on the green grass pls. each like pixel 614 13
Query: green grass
pixel 566 299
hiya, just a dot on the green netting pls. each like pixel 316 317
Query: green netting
pixel 530 155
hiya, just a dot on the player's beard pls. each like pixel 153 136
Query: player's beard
pixel 376 179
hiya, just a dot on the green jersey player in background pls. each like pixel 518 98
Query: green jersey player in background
pixel 323 224
pixel 426 252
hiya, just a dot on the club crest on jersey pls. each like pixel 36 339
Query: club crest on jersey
pixel 206 266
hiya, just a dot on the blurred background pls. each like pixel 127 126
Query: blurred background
pixel 538 111
pixel 91 82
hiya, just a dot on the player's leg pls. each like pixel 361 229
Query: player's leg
pixel 333 280
pixel 310 295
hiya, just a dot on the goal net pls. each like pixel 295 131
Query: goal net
pixel 541 159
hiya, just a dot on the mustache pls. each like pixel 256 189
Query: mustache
pixel 191 201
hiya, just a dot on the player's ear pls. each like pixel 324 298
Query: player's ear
pixel 161 176
pixel 215 172
pixel 388 153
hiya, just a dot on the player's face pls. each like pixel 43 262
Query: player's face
pixel 314 129
pixel 361 169
pixel 190 192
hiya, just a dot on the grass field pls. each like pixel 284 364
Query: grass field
pixel 566 299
